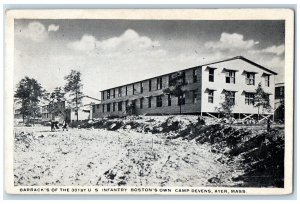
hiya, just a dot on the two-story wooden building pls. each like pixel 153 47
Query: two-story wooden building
pixel 205 88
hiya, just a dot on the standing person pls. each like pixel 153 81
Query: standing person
pixel 52 125
pixel 65 125
pixel 56 124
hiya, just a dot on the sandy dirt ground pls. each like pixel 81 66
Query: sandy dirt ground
pixel 92 157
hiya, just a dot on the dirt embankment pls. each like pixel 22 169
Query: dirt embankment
pixel 257 153
pixel 114 158
pixel 150 151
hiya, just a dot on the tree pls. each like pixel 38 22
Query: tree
pixel 176 83
pixel 226 107
pixel 261 100
pixel 56 99
pixel 29 93
pixel 74 88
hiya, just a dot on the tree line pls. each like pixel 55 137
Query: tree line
pixel 29 94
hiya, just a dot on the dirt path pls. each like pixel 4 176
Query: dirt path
pixel 101 157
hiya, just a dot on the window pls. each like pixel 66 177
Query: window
pixel 169 100
pixel 195 78
pixel 102 96
pixel 108 94
pixel 249 98
pixel 230 77
pixel 268 98
pixel 230 96
pixel 267 80
pixel 183 78
pixel 103 108
pixel 126 90
pixel 250 78
pixel 210 96
pixel 281 91
pixel 108 107
pixel 158 101
pixel 211 73
pixel 149 102
pixel 194 96
pixel 150 85
pixel 182 101
pixel 171 81
pixel 133 89
pixel 114 106
pixel 141 103
pixel 119 92
pixel 97 106
pixel 94 109
pixel 159 83
pixel 126 104
pixel 120 106
pixel 142 87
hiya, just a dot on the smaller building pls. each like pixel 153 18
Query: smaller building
pixel 59 116
pixel 83 112
pixel 279 102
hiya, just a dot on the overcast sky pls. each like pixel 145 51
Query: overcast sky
pixel 109 53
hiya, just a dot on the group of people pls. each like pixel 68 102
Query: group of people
pixel 54 125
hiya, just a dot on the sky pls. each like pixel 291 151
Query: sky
pixel 110 53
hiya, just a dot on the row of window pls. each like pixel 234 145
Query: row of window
pixel 230 77
pixel 249 100
pixel 117 106
pixel 249 97
pixel 180 75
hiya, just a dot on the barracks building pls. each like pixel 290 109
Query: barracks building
pixel 204 88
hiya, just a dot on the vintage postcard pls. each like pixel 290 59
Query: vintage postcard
pixel 137 101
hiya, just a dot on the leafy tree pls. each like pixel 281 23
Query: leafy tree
pixel 226 107
pixel 56 99
pixel 176 83
pixel 74 88
pixel 261 100
pixel 29 93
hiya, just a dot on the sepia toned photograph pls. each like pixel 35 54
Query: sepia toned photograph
pixel 137 104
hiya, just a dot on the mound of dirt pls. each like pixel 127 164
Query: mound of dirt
pixel 249 149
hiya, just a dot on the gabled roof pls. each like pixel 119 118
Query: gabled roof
pixel 225 60
pixel 244 59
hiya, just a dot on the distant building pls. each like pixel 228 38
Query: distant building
pixel 205 88
pixel 48 116
pixel 279 102
pixel 70 114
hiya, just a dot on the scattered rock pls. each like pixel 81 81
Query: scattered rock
pixel 127 127
pixel 214 180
